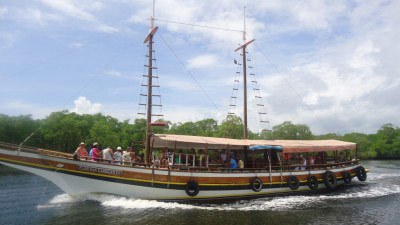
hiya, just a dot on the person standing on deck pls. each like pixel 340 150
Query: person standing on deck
pixel 108 155
pixel 233 164
pixel 223 155
pixel 96 152
pixel 81 151
pixel 126 157
pixel 118 156
pixel 241 163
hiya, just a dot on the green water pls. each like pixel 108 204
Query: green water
pixel 29 199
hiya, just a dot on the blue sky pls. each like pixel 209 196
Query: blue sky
pixel 331 65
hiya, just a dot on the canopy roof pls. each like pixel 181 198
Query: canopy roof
pixel 289 146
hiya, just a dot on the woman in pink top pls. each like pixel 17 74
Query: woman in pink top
pixel 96 152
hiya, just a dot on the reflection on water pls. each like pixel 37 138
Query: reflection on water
pixel 23 200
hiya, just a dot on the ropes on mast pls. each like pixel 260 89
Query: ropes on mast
pixel 142 110
pixel 197 25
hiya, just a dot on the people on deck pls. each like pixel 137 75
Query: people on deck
pixel 157 162
pixel 118 156
pixel 303 163
pixel 241 163
pixel 81 152
pixel 108 155
pixel 164 157
pixel 126 157
pixel 311 160
pixel 96 153
pixel 233 164
pixel 91 152
pixel 223 155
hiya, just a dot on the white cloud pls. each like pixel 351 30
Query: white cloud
pixel 350 85
pixel 202 61
pixel 84 106
pixel 76 45
pixel 3 11
pixel 106 28
pixel 7 39
pixel 122 75
pixel 69 8
pixel 81 12
pixel 34 16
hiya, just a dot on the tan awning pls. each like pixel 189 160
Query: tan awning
pixel 289 146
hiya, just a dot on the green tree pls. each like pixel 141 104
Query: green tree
pixel 231 127
pixel 289 131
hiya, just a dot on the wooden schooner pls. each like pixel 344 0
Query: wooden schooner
pixel 198 168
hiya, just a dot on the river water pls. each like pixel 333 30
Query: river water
pixel 29 199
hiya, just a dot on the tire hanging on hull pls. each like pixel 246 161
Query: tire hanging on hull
pixel 361 173
pixel 256 184
pixel 293 183
pixel 312 182
pixel 346 177
pixel 330 180
pixel 192 188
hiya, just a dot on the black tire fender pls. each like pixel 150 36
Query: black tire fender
pixel 312 182
pixel 256 184
pixel 192 188
pixel 293 182
pixel 361 173
pixel 330 180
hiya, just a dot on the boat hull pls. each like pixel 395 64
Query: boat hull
pixel 83 177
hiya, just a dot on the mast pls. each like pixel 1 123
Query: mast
pixel 149 39
pixel 245 134
pixel 243 47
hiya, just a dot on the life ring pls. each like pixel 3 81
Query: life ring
pixel 256 184
pixel 346 177
pixel 330 180
pixel 293 183
pixel 312 182
pixel 192 188
pixel 361 173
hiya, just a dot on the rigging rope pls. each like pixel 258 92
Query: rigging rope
pixel 197 25
pixel 291 86
pixel 191 75
pixel 50 59
pixel 69 100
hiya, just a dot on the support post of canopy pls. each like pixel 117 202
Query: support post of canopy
pixel 206 155
pixel 253 158
pixel 270 167
pixel 173 158
pixel 356 152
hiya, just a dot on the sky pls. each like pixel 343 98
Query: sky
pixel 333 65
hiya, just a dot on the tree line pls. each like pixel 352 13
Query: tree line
pixel 64 130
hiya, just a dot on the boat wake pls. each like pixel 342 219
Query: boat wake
pixel 379 176
pixel 271 203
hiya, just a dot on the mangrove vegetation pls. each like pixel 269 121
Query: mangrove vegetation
pixel 64 130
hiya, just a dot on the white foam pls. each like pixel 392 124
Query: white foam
pixel 377 176
pixel 272 204
pixel 59 200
